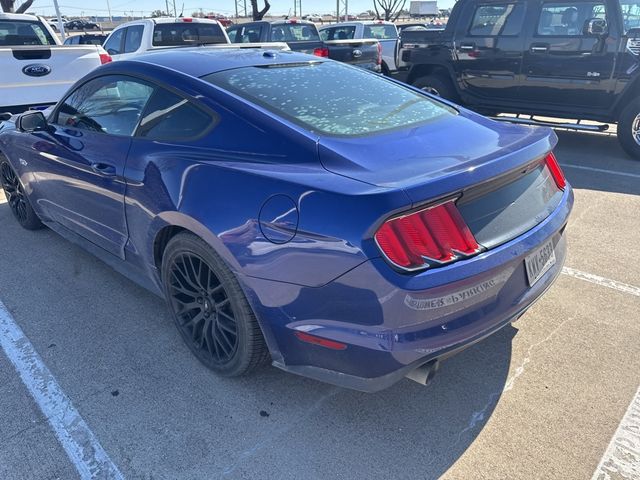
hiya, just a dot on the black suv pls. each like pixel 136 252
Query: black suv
pixel 573 59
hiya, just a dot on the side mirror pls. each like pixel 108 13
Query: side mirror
pixel 595 27
pixel 32 122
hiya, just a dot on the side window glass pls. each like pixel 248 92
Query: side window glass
pixel 111 104
pixel 232 33
pixel 114 43
pixel 327 34
pixel 171 117
pixel 133 39
pixel 497 20
pixel 250 35
pixel 568 19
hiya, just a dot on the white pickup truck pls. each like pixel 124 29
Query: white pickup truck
pixel 36 70
pixel 149 34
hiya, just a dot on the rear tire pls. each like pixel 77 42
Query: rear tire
pixel 18 201
pixel 437 85
pixel 210 309
pixel 629 129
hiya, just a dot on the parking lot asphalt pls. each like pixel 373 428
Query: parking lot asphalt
pixel 540 399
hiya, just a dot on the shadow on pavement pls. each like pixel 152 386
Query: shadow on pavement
pixel 599 152
pixel 160 414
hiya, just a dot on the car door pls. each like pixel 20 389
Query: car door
pixel 488 48
pixel 80 169
pixel 565 65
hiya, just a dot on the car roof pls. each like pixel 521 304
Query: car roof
pixel 18 16
pixel 200 61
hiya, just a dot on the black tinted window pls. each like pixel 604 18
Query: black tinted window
pixel 242 34
pixel 133 39
pixel 495 20
pixel 338 33
pixel 171 117
pixel 114 44
pixel 568 18
pixel 23 32
pixel 294 32
pixel 110 104
pixel 175 34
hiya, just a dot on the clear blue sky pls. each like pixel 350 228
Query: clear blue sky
pixel 118 7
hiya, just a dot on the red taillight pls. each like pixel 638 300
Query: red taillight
pixel 379 59
pixel 187 19
pixel 292 21
pixel 105 58
pixel 321 52
pixel 323 342
pixel 432 236
pixel 556 171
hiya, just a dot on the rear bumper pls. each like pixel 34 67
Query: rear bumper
pixel 391 322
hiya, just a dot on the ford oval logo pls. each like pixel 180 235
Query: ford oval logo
pixel 37 70
pixel 357 53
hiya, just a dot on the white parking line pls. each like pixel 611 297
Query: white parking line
pixel 621 460
pixel 602 281
pixel 600 170
pixel 81 445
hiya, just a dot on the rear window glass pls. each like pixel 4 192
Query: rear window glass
pixel 381 32
pixel 331 98
pixel 175 34
pixel 24 32
pixel 290 32
pixel 339 33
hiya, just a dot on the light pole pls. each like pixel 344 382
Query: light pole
pixel 60 24
pixel 109 10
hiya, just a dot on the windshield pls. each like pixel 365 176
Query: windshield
pixel 176 34
pixel 24 32
pixel 630 14
pixel 331 98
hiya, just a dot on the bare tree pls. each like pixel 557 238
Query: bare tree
pixel 390 8
pixel 258 14
pixel 9 6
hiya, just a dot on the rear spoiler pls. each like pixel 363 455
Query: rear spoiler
pixel 229 46
pixel 359 41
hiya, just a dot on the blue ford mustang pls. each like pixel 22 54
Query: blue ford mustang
pixel 347 227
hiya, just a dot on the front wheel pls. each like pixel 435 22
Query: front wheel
pixel 18 201
pixel 210 309
pixel 437 85
pixel 629 129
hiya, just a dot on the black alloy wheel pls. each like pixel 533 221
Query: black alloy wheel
pixel 17 198
pixel 203 308
pixel 210 309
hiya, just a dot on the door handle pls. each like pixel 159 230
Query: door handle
pixel 539 48
pixel 467 46
pixel 104 169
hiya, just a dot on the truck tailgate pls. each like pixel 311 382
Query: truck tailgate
pixel 41 75
pixel 363 52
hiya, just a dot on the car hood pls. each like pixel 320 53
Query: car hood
pixel 434 158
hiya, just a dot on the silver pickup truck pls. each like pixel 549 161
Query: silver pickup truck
pixel 385 33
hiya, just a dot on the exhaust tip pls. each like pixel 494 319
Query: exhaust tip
pixel 424 373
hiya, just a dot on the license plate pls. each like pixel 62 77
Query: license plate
pixel 539 262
